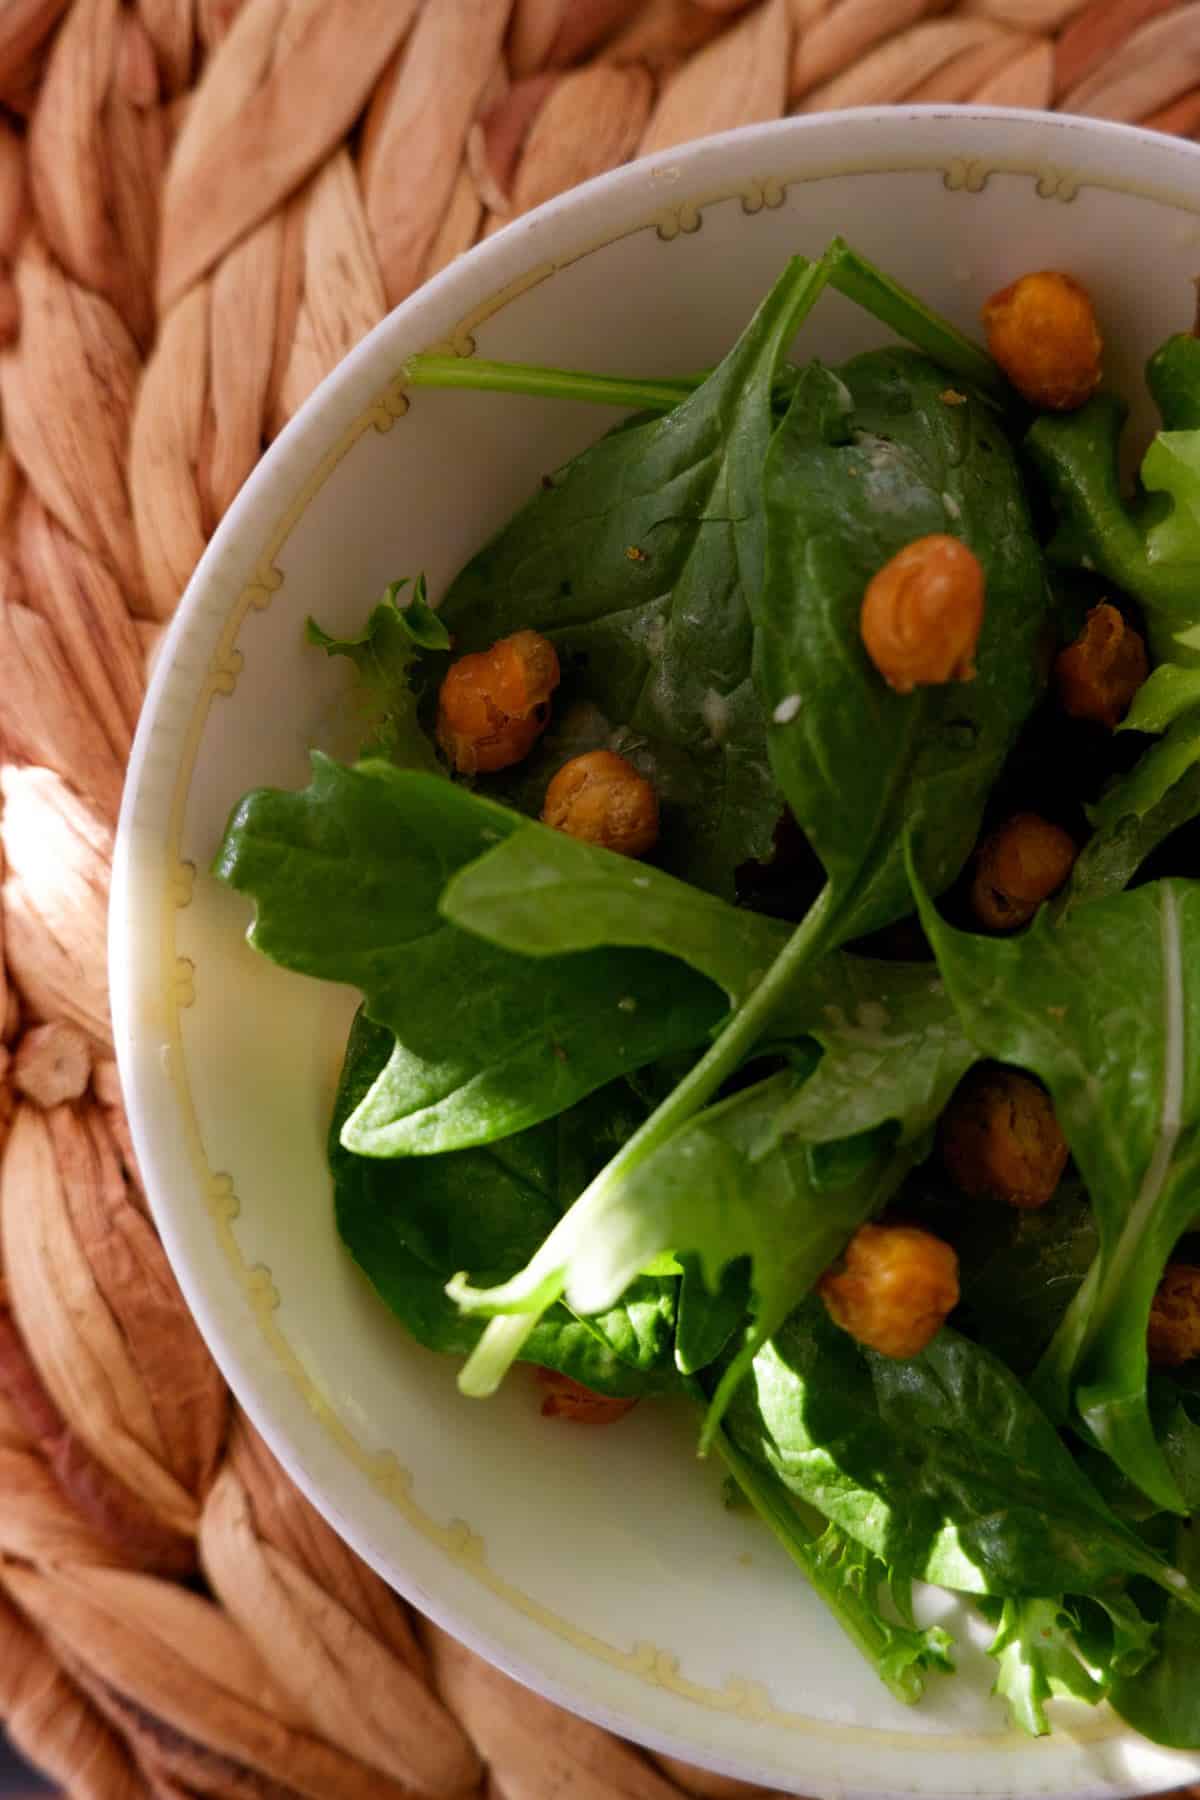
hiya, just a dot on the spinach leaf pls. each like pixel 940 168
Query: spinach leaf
pixel 1104 1006
pixel 387 656
pixel 635 560
pixel 1151 549
pixel 1042 1653
pixel 1163 1701
pixel 724 1187
pixel 410 1225
pixel 707 1319
pixel 542 893
pixel 942 1465
pixel 869 1602
pixel 346 878
pixel 865 461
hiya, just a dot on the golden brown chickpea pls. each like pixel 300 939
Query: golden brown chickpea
pixel 897 1288
pixel 495 704
pixel 1017 866
pixel 1174 1334
pixel 922 614
pixel 1098 675
pixel 1042 331
pixel 568 1399
pixel 602 799
pixel 1000 1139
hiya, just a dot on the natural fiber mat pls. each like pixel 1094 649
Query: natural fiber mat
pixel 203 205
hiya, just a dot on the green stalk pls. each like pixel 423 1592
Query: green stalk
pixel 521 1308
pixel 877 1640
pixel 851 274
pixel 556 384
pixel 910 318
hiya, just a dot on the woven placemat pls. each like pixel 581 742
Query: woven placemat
pixel 203 205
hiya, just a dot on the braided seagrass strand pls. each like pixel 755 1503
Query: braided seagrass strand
pixel 160 319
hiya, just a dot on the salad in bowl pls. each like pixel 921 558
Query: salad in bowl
pixel 770 877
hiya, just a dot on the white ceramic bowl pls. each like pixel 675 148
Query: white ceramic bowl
pixel 598 1567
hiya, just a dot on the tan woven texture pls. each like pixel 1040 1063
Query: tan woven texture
pixel 203 205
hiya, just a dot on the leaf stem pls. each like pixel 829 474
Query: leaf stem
pixel 844 268
pixel 657 395
pixel 910 318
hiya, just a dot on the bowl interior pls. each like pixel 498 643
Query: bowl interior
pixel 601 1566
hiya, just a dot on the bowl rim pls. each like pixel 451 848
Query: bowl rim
pixel 240 534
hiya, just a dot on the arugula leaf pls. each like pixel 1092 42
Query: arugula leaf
pixel 1150 549
pixel 894 1050
pixel 635 561
pixel 1136 814
pixel 1163 1701
pixel 1168 693
pixel 542 893
pixel 1042 1653
pixel 346 877
pixel 1120 1059
pixel 1039 1660
pixel 1140 810
pixel 865 461
pixel 725 1186
pixel 386 656
pixel 409 1226
pixel 853 1583
pixel 941 1465
pixel 1020 1270
pixel 1173 378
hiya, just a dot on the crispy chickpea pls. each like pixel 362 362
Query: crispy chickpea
pixel 1042 331
pixel 1174 1334
pixel 999 1138
pixel 1098 675
pixel 922 614
pixel 569 1399
pixel 495 704
pixel 896 1290
pixel 602 799
pixel 1017 866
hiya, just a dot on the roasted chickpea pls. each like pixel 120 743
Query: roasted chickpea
pixel 1042 331
pixel 1098 675
pixel 1017 866
pixel 495 704
pixel 1174 1334
pixel 999 1138
pixel 922 614
pixel 602 799
pixel 569 1399
pixel 897 1288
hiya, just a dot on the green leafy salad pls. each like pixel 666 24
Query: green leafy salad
pixel 771 878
